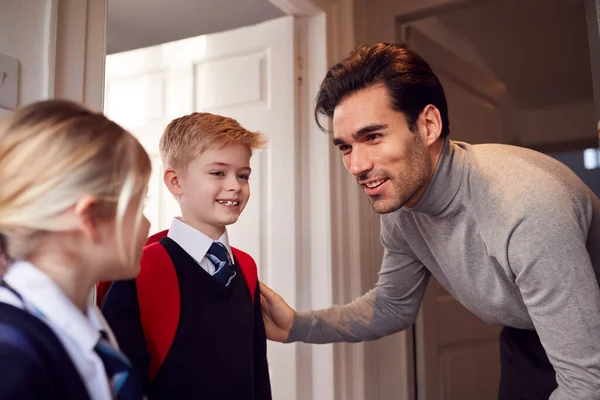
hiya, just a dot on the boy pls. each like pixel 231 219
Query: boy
pixel 217 346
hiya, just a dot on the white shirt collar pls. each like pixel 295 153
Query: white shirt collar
pixel 41 292
pixel 194 242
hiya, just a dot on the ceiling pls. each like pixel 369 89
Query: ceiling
pixel 140 23
pixel 539 48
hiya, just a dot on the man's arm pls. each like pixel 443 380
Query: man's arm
pixel 390 307
pixel 547 253
pixel 122 312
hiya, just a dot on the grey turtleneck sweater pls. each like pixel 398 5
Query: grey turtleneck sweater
pixel 513 235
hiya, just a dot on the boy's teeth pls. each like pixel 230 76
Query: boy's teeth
pixel 229 203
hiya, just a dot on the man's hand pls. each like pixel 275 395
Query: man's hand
pixel 278 316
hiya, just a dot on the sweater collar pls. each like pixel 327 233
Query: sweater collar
pixel 446 180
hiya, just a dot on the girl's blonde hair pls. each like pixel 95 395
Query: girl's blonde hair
pixel 54 152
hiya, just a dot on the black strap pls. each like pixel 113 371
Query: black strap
pixel 5 285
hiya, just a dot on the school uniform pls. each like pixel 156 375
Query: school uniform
pixel 49 349
pixel 219 348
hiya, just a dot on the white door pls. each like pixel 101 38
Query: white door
pixel 457 353
pixel 247 74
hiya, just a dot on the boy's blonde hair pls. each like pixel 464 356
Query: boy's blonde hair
pixel 187 137
pixel 51 154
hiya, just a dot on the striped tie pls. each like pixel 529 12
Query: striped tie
pixel 123 382
pixel 224 271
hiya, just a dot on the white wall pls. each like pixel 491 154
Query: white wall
pixel 59 45
pixel 24 35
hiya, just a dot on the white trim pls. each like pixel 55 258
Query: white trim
pixel 340 254
pixel 315 363
pixel 79 46
pixel 297 8
pixel 95 54
pixel 592 12
pixel 50 28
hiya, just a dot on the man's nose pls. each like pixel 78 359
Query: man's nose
pixel 359 162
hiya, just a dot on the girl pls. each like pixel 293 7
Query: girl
pixel 72 184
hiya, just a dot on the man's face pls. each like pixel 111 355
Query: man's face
pixel 389 161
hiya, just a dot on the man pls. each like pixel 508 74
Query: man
pixel 512 234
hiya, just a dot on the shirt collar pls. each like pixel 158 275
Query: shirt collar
pixel 40 291
pixel 194 242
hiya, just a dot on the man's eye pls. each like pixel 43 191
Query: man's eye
pixel 373 136
pixel 344 147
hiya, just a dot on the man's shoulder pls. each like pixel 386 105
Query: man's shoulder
pixel 521 176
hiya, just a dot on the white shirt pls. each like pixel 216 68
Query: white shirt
pixel 196 243
pixel 77 332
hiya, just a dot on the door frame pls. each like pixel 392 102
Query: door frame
pixel 383 369
pixel 592 13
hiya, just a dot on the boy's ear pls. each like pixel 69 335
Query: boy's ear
pixel 171 179
pixel 84 209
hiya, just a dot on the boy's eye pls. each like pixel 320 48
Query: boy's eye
pixel 217 173
pixel 244 176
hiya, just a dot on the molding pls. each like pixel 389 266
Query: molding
pixel 315 363
pixel 297 8
pixel 592 12
pixel 338 371
pixel 80 51
pixel 341 371
pixel 95 54
pixel 50 29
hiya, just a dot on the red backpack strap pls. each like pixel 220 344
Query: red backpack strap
pixel 156 237
pixel 248 268
pixel 160 303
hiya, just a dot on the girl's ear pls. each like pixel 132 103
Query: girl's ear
pixel 84 209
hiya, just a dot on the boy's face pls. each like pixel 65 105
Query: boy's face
pixel 214 189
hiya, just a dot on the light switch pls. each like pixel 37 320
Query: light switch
pixel 9 81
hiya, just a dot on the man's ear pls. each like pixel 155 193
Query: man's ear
pixel 84 209
pixel 430 124
pixel 172 181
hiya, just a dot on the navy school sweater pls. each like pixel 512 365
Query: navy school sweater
pixel 219 351
pixel 40 368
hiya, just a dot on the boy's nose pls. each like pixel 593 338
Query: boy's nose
pixel 233 185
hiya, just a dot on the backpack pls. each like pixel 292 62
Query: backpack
pixel 159 315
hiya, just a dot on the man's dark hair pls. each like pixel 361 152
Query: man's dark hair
pixel 410 82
